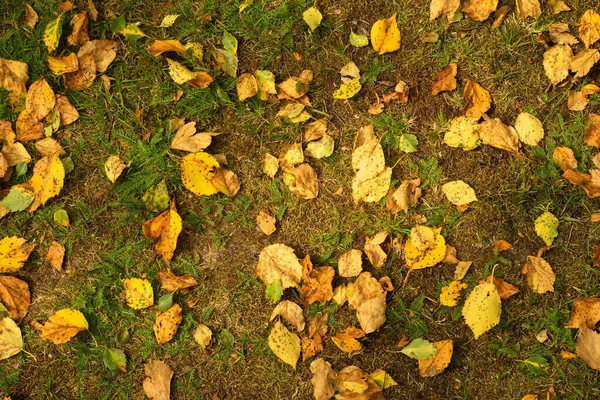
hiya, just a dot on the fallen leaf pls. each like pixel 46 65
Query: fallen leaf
pixel 479 10
pixel 48 146
pixel 66 5
pixel 168 20
pixel 171 282
pixel 346 340
pixel 560 34
pixel 347 91
pixel 323 379
pixel 40 99
pixel 312 17
pixel 317 285
pixel 138 293
pixel 13 75
pixel 357 40
pixel 156 198
pixel 313 343
pixel 367 297
pixel 565 158
pixel 567 355
pixel 461 269
pixel 284 344
pixel 197 171
pixel 157 384
pixel 92 10
pixel 321 148
pixel 459 193
pixel 179 73
pixel 163 46
pixel 505 289
pixel 15 295
pixel 164 230
pixel 103 52
pixel 56 255
pixel 187 139
pixel 114 359
pixel 385 35
pixel 84 77
pixel 14 251
pixel 589 28
pixel 546 227
pixel 132 32
pixel 596 257
pixel 405 197
pixel 290 156
pixel 583 62
pixel 63 325
pixel 228 62
pixel 166 324
pixel 588 347
pixel 477 100
pixel 270 165
pixel 430 256
pixel 419 349
pixel 31 17
pixel 28 127
pixel 266 83
pixel 278 262
pixel 451 293
pixel 592 130
pixel 528 8
pixel 463 132
pixel 113 168
pixel 350 263
pixel 558 6
pixel 529 129
pixel 52 34
pixel 266 223
pixel 246 86
pixel 353 383
pixel 441 7
pixel 305 184
pixel 226 182
pixel 11 341
pixel 496 134
pixel 373 249
pixel 436 364
pixel 15 153
pixel 584 181
pixel 19 197
pixel 557 61
pixel 482 308
pixel 586 312
pixel 63 65
pixel 445 80
pixel 79 34
pixel 203 335
pixel 499 16
pixel 291 312
pixel 540 276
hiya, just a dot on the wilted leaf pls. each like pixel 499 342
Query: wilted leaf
pixel 63 65
pixel 166 324
pixel 247 86
pixel 11 341
pixel 14 294
pixel 440 7
pixel 52 34
pixel 451 293
pixel 589 28
pixel 156 198
pixel 529 129
pixel 197 171
pixel 584 181
pixel 291 312
pixel 56 255
pixel 323 379
pixel 436 364
pixel 479 10
pixel 373 249
pixel 113 168
pixel 499 16
pixel 560 34
pixel 540 276
pixel 103 53
pixel 40 99
pixel 84 77
pixel 367 297
pixel 157 384
pixel 586 312
pixel 13 75
pixel 63 325
pixel 164 230
pixel 31 17
pixel 312 17
pixel 79 34
pixel 266 223
pixel 482 308
pixel 350 263
pixel 583 62
pixel 445 80
pixel 317 285
pixel 477 99
pixel 278 262
pixel 459 193
pixel 49 146
pixel 346 340
pixel 419 349
pixel 588 347
pixel 495 133
pixel 270 165
pixel 558 6
pixel 565 158
pixel 546 227
pixel 592 130
pixel 557 61
pixel 505 289
pixel 405 197
pixel 171 282
pixel 284 344
pixel 385 35
pixel 187 139
pixel 306 183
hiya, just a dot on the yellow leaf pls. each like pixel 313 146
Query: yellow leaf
pixel 270 165
pixel 439 362
pixel 529 129
pixel 28 127
pixel 284 344
pixel 31 17
pixel 373 189
pixel 132 32
pixel 201 80
pixel 463 132
pixel 546 227
pixel 589 28
pixel 418 259
pixel 63 65
pixel 312 17
pixel 459 193
pixel 245 4
pixel 52 34
pixel 40 99
pixel 557 61
pixel 347 91
pixel 266 83
pixel 482 308
pixel 166 324
pixel 179 73
pixel 162 46
pixel 13 75
pixel 477 99
pixel 440 7
pixel 79 35
pixel 540 276
pixel 479 10
pixel 47 180
pixel 138 293
pixel 63 325
pixel 168 20
pixel 113 168
pixel 14 251
pixel 583 62
pixel 197 171
pixel 451 293
pixel 11 341
pixel 15 153
pixel 203 335
pixel 346 340
pixel 385 35
pixel 164 230
pixel 279 262
pixel 528 8
pixel 246 86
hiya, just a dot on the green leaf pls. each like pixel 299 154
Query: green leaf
pixel 132 32
pixel 61 217
pixel 53 33
pixel 536 364
pixel 274 291
pixel 223 96
pixel 156 197
pixel 114 359
pixel 357 40
pixel 18 198
pixel 165 302
pixel 419 349
pixel 228 62
pixel 230 43
pixel 546 227
pixel 67 164
pixel 312 17
pixel 118 24
pixel 21 168
pixel 123 336
pixel 408 143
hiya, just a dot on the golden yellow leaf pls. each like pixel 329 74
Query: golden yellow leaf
pixel 583 62
pixel 540 276
pixel 203 335
pixel 63 325
pixel 479 10
pixel 157 385
pixel 591 133
pixel 48 146
pixel 47 180
pixel 52 34
pixel 162 46
pixel 11 341
pixel 347 91
pixel 13 75
pixel 528 8
pixel 482 308
pixel 14 251
pixel 138 293
pixel 284 344
pixel 270 165
pixel 316 285
pixel 459 193
pixel 495 133
pixel 529 129
pixel 63 65
pixel 290 156
pixel 31 17
pixel 166 324
pixel 179 73
pixel 79 34
pixel 197 171
pixel 557 61
pixel 40 99
pixel 346 340
pixel 113 168
pixel 164 230
pixel 246 86
pixel 279 262
pixel 56 255
pixel 463 132
pixel 439 362
pixel 451 293
pixel 585 312
pixel 477 99
pixel 15 153
pixel 373 189
pixel 589 28
pixel 385 35
pixel 418 259
pixel 28 127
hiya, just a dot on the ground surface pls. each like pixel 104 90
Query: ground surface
pixel 220 242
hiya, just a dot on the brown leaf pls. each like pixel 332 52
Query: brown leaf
pixel 163 46
pixel 79 35
pixel 187 139
pixel 505 289
pixel 589 28
pixel 540 276
pixel 450 256
pixel 167 323
pixel 291 312
pixel 164 230
pixel 565 158
pixel 317 286
pixel 266 223
pixel 346 341
pixel 367 297
pixel 28 127
pixel 323 379
pixel 494 133
pixel 226 181
pixel 594 217
pixel 31 17
pixel 171 282
pixel 405 197
pixel 441 7
pixel 68 113
pixel 479 10
pixel 92 10
pixel 246 86
pixel 559 33
pixel 14 294
pixel 584 181
pixel 353 383
pixel 306 183
pixel 558 6
pixel 376 109
pixel 311 346
pixel 439 362
pixel 586 312
pixel 56 255
pixel 315 130
pixel 499 16
pixel 13 75
pixel 66 5
pixel 477 99
pixel 63 65
pixel 592 130
pixel 588 347
pixel 596 257
pixel 86 75
pixel 48 146
pixel 157 384
pixel 350 263
pixel 445 80
pixel 373 249
pixel 501 245
pixel 201 80
pixel 528 8
pixel 3 167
